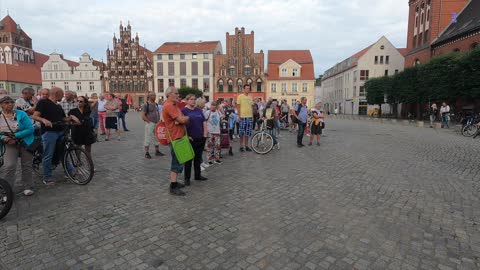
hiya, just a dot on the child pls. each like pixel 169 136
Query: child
pixel 213 118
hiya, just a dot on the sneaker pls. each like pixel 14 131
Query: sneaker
pixel 230 152
pixel 106 139
pixel 48 182
pixel 205 165
pixel 180 185
pixel 278 146
pixel 248 149
pixel 242 149
pixel 147 155
pixel 187 182
pixel 210 163
pixel 159 154
pixel 202 168
pixel 308 135
pixel 201 178
pixel 218 162
pixel 28 192
pixel 126 130
pixel 310 143
pixel 318 143
pixel 177 191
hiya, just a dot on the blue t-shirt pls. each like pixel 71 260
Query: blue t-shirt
pixel 303 113
pixel 195 125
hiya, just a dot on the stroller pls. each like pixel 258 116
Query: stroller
pixel 225 138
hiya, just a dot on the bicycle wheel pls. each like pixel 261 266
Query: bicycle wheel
pixel 469 130
pixel 78 166
pixel 6 198
pixel 262 143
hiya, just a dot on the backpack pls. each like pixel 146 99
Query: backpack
pixel 294 119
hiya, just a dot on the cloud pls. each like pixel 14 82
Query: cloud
pixel 333 30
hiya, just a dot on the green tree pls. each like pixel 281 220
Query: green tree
pixel 184 91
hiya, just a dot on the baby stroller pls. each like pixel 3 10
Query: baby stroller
pixel 225 138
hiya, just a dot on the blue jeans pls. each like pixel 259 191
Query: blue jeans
pixel 121 116
pixel 175 166
pixel 301 131
pixel 49 141
pixel 273 132
pixel 95 122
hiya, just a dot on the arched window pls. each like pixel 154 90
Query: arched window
pixel 416 62
pixel 230 86
pixel 8 55
pixel 475 45
pixel 15 54
pixel 220 86
pixel 239 85
pixel 259 85
pixel 2 58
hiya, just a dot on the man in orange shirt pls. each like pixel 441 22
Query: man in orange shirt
pixel 175 124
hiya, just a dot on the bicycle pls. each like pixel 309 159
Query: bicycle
pixel 284 122
pixel 470 127
pixel 262 141
pixel 6 192
pixel 78 166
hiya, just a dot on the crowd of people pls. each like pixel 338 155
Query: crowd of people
pixel 210 126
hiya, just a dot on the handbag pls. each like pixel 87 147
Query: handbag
pixel 182 147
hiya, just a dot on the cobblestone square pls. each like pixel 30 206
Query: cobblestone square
pixel 370 197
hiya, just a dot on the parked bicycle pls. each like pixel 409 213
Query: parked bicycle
pixel 469 127
pixel 78 166
pixel 262 141
pixel 6 192
pixel 284 122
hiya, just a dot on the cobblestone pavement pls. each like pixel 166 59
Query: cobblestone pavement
pixel 370 197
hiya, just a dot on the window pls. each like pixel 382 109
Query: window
pixel 183 68
pixel 230 86
pixel 362 91
pixel 414 41
pixel 194 56
pixel 205 56
pixel 195 83
pixel 381 60
pixel 387 59
pixel 294 87
pixel 295 72
pixel 206 67
pixel 183 83
pixel 259 86
pixel 231 71
pixel 53 84
pixel 160 85
pixel 425 36
pixel 65 86
pixel 354 91
pixel 160 69
pixel 135 86
pixel 195 68
pixel 284 87
pixel 284 72
pixel 248 71
pixel 273 87
pixel 396 71
pixel 220 86
pixel 171 82
pixel 159 57
pixel 182 56
pixel 239 85
pixel 79 86
pixel 14 90
pixel 206 84
pixel 382 47
pixel 376 60
pixel 363 75
pixel 170 57
pixel 386 72
pixel 114 86
pixel 171 68
pixel 305 87
pixel 125 54
pixel 92 86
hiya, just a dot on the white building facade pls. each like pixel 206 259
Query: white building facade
pixel 185 64
pixel 83 77
pixel 343 84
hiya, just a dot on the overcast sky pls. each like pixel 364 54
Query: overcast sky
pixel 331 29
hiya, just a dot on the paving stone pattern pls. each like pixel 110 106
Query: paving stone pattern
pixel 370 197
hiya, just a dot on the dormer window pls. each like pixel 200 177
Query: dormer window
pixel 295 72
pixel 284 72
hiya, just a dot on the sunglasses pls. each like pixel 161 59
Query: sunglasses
pixel 80 101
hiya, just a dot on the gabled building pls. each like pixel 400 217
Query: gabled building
pixel 129 68
pixel 342 85
pixel 441 26
pixel 183 64
pixel 290 76
pixel 83 77
pixel 239 65
pixel 19 64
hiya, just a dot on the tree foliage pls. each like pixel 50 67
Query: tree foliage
pixel 184 91
pixel 448 77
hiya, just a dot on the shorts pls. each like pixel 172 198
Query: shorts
pixel 175 166
pixel 111 123
pixel 316 129
pixel 245 128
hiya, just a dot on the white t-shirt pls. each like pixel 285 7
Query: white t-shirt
pixel 101 105
pixel 445 109
pixel 213 121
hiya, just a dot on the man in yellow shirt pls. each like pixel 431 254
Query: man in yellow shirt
pixel 245 117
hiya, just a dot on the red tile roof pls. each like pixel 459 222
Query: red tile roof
pixel 147 52
pixel 188 47
pixel 9 25
pixel 302 57
pixel 403 51
pixel 24 72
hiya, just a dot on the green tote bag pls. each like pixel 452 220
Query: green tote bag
pixel 182 148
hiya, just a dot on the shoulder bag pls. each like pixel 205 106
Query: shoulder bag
pixel 182 147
